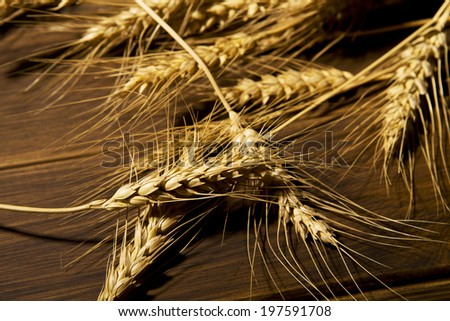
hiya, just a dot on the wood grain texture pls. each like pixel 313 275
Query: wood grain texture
pixel 36 249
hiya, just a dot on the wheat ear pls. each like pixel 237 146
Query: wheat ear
pixel 409 89
pixel 284 85
pixel 10 9
pixel 221 14
pixel 304 218
pixel 414 103
pixel 129 23
pixel 151 236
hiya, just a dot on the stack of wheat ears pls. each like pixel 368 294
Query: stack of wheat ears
pixel 226 90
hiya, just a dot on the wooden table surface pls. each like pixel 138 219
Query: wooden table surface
pixel 36 249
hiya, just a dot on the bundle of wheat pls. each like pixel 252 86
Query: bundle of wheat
pixel 168 50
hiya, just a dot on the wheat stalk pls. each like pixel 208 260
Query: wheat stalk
pixel 286 84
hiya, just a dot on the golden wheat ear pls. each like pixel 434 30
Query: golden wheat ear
pixel 411 112
pixel 215 16
pixel 153 234
pixel 11 9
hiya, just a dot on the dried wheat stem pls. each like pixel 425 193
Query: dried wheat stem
pixel 150 238
pixel 409 85
pixel 17 208
pixel 283 86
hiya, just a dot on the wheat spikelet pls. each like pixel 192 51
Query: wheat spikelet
pixel 284 85
pixel 176 65
pixel 129 23
pixel 131 27
pixel 414 105
pixel 199 177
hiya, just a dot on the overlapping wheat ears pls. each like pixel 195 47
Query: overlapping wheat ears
pixel 171 47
